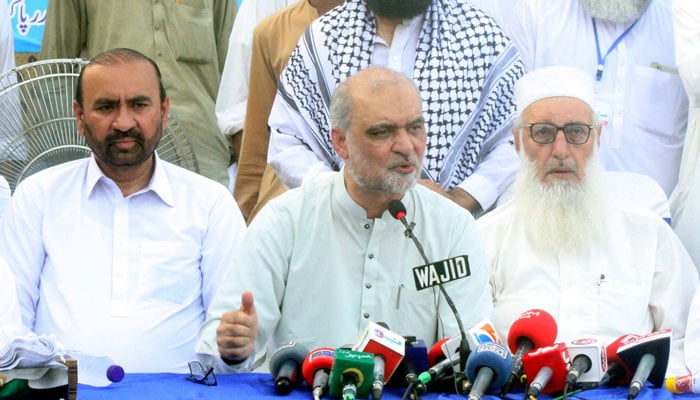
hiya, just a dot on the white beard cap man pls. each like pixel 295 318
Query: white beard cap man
pixel 559 187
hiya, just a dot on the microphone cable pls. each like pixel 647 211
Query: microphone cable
pixel 398 211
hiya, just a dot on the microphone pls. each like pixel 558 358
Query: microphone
pixel 388 349
pixel 488 367
pixel 618 372
pixel 285 365
pixel 415 361
pixel 316 370
pixel 350 374
pixel 436 353
pixel 548 365
pixel 458 267
pixel 648 356
pixel 588 362
pixel 482 332
pixel 532 329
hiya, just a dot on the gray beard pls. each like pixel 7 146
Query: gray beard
pixel 565 215
pixel 617 11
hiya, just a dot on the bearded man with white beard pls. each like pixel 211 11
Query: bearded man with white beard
pixel 628 46
pixel 603 267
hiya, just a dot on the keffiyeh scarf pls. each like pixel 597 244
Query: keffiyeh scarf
pixel 465 69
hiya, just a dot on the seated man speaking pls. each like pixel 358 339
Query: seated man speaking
pixel 323 260
pixel 601 266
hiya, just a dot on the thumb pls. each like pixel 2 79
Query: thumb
pixel 247 303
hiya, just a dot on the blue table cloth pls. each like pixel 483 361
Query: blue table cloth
pixel 261 386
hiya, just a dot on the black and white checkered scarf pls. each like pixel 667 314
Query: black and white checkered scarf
pixel 465 69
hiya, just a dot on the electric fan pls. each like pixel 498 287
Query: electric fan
pixel 38 128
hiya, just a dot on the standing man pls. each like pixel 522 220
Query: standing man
pixel 235 77
pixel 464 67
pixel 188 39
pixel 274 40
pixel 627 46
pixel 602 266
pixel 120 254
pixel 321 261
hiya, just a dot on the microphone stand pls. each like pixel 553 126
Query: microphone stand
pixel 463 346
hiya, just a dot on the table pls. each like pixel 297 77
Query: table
pixel 261 386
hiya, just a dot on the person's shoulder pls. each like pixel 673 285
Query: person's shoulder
pixel 55 174
pixel 310 194
pixel 272 22
pixel 502 215
pixel 438 205
pixel 184 179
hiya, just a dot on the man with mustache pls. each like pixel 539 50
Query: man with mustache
pixel 119 254
pixel 461 61
pixel 602 266
pixel 628 47
pixel 321 261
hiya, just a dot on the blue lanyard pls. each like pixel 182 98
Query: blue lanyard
pixel 601 58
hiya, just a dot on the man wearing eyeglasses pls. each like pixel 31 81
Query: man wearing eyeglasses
pixel 600 265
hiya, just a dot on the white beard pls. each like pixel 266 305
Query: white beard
pixel 562 216
pixel 621 11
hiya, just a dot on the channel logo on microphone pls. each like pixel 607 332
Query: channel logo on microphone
pixel 441 272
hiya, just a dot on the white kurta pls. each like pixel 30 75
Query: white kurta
pixel 637 278
pixel 640 90
pixel 320 270
pixel 233 89
pixel 127 277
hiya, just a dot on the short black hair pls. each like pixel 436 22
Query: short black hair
pixel 116 57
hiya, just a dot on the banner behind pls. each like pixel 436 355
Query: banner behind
pixel 28 17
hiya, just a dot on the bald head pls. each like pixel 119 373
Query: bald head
pixel 366 84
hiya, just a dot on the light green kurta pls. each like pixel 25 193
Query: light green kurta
pixel 188 39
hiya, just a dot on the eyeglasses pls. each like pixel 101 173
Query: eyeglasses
pixel 544 133
pixel 202 375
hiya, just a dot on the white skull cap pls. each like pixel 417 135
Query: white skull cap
pixel 554 81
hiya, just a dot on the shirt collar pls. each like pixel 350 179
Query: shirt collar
pixel 159 183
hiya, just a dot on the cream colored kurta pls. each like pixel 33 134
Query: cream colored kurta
pixel 274 39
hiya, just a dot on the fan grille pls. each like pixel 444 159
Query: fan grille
pixel 38 128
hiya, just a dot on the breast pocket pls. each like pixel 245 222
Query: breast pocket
pixel 662 100
pixel 191 34
pixel 169 271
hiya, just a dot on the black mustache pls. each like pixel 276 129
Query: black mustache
pixel 118 135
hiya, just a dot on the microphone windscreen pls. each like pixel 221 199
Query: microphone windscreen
pixel 435 354
pixel 492 355
pixel 536 325
pixel 624 372
pixel 319 359
pixel 397 209
pixel 657 344
pixel 291 351
pixel 555 357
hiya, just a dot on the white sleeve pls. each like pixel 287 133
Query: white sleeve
pixel 494 172
pixel 9 306
pixel 519 28
pixel 232 100
pixel 293 160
